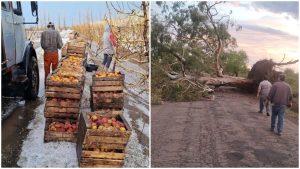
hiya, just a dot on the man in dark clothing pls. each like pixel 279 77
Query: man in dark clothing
pixel 50 42
pixel 281 96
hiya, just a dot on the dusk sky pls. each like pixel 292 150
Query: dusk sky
pixel 269 29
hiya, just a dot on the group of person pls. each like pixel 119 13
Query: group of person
pixel 51 42
pixel 280 95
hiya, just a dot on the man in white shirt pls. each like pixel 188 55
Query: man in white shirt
pixel 262 93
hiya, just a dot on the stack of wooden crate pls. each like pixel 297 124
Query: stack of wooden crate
pixel 63 93
pixel 101 147
pixel 107 91
pixel 76 46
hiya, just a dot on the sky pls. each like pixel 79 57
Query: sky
pixel 72 10
pixel 270 30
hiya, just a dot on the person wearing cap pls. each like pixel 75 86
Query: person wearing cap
pixel 109 42
pixel 280 96
pixel 262 93
pixel 50 41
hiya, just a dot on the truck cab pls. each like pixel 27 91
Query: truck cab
pixel 20 73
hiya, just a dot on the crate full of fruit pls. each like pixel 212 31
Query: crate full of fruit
pixel 60 130
pixel 107 90
pixel 102 139
pixel 76 47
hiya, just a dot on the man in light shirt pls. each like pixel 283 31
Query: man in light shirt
pixel 262 93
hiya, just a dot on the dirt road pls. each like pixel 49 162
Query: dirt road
pixel 226 132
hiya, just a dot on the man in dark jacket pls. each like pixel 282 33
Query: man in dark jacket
pixel 281 96
pixel 50 42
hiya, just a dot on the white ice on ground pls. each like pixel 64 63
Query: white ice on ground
pixel 135 157
pixel 36 153
pixel 142 126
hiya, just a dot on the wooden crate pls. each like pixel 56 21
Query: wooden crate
pixel 91 142
pixel 98 159
pixel 106 100
pixel 56 135
pixel 121 78
pixel 54 102
pixel 107 92
pixel 61 112
pixel 76 48
pixel 65 84
pixel 108 97
pixel 74 92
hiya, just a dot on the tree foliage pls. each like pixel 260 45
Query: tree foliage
pixel 187 39
pixel 235 62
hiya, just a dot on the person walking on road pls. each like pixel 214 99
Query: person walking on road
pixel 50 41
pixel 280 96
pixel 262 93
pixel 109 42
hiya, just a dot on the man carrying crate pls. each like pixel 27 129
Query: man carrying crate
pixel 50 41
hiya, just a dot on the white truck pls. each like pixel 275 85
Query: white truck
pixel 20 73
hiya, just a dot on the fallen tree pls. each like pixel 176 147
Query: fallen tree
pixel 255 76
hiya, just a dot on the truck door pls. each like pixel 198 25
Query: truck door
pixel 8 33
pixel 19 30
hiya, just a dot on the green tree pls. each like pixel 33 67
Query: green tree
pixel 235 62
pixel 292 79
pixel 186 41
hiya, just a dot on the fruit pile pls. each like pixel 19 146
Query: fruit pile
pixel 58 78
pixel 74 68
pixel 105 123
pixel 61 72
pixel 108 74
pixel 72 60
pixel 63 127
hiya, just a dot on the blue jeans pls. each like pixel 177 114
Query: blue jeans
pixel 277 110
pixel 263 101
pixel 107 60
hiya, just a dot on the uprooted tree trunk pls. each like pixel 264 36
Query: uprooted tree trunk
pixel 256 75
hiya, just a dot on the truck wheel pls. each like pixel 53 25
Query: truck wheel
pixel 33 75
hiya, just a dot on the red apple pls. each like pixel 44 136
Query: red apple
pixel 104 120
pixel 99 122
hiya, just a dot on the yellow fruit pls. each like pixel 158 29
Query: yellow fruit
pixel 122 129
